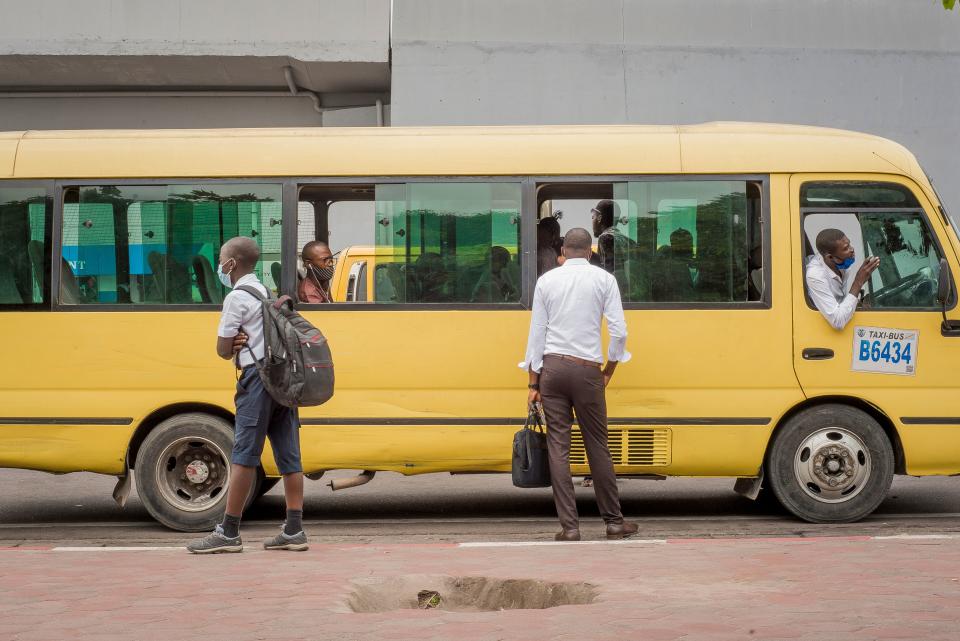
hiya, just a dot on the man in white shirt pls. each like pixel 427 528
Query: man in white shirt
pixel 564 356
pixel 825 277
pixel 259 416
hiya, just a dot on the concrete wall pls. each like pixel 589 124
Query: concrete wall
pixel 331 30
pixel 233 52
pixel 890 67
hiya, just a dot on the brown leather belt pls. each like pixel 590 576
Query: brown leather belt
pixel 573 359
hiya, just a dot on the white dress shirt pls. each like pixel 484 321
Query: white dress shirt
pixel 243 310
pixel 830 294
pixel 569 303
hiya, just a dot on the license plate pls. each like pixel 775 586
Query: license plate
pixel 882 350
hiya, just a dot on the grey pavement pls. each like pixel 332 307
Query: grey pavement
pixel 77 509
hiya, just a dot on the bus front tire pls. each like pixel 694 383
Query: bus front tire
pixel 831 464
pixel 183 470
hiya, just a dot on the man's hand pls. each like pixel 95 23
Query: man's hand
pixel 239 342
pixel 533 397
pixel 608 372
pixel 863 274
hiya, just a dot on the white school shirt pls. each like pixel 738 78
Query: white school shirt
pixel 829 293
pixel 243 310
pixel 569 303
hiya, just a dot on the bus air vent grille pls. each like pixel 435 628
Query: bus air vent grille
pixel 628 446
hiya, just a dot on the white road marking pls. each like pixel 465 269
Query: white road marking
pixel 915 537
pixel 518 544
pixel 107 548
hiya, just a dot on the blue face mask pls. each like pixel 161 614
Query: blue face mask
pixel 224 277
pixel 847 263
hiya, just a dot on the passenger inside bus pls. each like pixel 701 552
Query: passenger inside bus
pixel 548 244
pixel 674 267
pixel 612 244
pixel 430 278
pixel 318 263
pixel 500 282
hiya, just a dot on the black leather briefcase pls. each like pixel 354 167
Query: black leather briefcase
pixel 531 466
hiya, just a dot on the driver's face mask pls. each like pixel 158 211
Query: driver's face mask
pixel 846 264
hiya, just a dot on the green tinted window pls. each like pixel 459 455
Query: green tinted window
pixel 683 241
pixel 24 246
pixel 854 193
pixel 159 244
pixel 447 243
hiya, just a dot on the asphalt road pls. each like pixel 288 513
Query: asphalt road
pixel 76 509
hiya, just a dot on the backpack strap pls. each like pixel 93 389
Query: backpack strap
pixel 253 291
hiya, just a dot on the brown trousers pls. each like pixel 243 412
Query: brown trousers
pixel 567 387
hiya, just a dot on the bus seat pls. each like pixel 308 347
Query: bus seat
pixel 275 272
pixel 69 289
pixel 172 278
pixel 9 294
pixel 207 283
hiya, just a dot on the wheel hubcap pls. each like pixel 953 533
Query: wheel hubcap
pixel 197 471
pixel 192 474
pixel 832 465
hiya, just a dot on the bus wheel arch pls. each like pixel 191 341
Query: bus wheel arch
pixel 900 463
pixel 159 415
pixel 831 460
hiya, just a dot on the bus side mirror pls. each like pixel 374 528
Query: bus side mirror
pixel 944 284
pixel 944 293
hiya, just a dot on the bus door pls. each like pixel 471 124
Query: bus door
pixel 892 353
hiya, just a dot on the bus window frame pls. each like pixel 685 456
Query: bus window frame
pixel 50 186
pixel 527 259
pixel 806 211
pixel 766 298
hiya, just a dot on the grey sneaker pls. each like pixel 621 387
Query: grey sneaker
pixel 215 543
pixel 283 541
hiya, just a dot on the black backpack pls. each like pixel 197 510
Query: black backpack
pixel 297 368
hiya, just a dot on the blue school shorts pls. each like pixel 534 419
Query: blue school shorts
pixel 260 417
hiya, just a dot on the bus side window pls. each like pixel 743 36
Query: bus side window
pixel 672 241
pixel 24 246
pixel 159 244
pixel 426 242
pixel 340 216
pixel 883 220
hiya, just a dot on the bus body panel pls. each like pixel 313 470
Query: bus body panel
pixel 9 142
pixel 65 448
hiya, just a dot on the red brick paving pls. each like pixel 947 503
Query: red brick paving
pixel 715 590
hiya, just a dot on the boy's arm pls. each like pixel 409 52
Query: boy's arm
pixel 229 337
pixel 227 347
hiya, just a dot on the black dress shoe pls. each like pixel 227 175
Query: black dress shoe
pixel 567 535
pixel 622 530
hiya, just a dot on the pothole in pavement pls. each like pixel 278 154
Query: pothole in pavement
pixel 465 594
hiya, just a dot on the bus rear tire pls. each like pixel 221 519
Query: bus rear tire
pixel 831 464
pixel 183 470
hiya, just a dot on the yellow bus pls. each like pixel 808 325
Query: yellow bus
pixel 109 304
